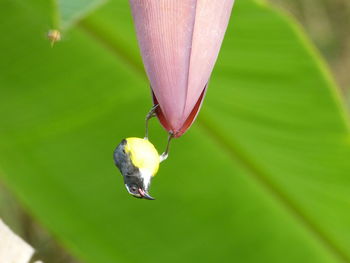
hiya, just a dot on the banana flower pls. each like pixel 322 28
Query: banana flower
pixel 179 41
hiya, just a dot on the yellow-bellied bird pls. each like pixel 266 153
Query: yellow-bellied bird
pixel 138 161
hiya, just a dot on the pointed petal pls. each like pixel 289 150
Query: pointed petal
pixel 211 21
pixel 179 42
pixel 164 29
pixel 190 118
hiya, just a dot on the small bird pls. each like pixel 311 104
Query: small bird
pixel 138 161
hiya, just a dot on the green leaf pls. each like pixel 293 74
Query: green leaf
pixel 262 176
pixel 67 12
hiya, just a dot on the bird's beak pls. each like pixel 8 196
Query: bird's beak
pixel 145 195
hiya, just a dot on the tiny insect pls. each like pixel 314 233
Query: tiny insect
pixel 54 36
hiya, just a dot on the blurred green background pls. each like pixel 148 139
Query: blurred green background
pixel 327 24
pixel 261 177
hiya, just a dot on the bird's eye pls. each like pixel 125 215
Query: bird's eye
pixel 133 188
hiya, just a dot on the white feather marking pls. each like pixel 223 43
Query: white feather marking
pixel 146 175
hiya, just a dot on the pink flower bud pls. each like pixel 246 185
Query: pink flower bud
pixel 179 41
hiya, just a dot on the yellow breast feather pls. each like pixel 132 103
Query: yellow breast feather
pixel 143 154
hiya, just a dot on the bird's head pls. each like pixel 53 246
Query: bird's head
pixel 136 187
pixel 138 162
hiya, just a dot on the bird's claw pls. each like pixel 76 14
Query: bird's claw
pixel 163 157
